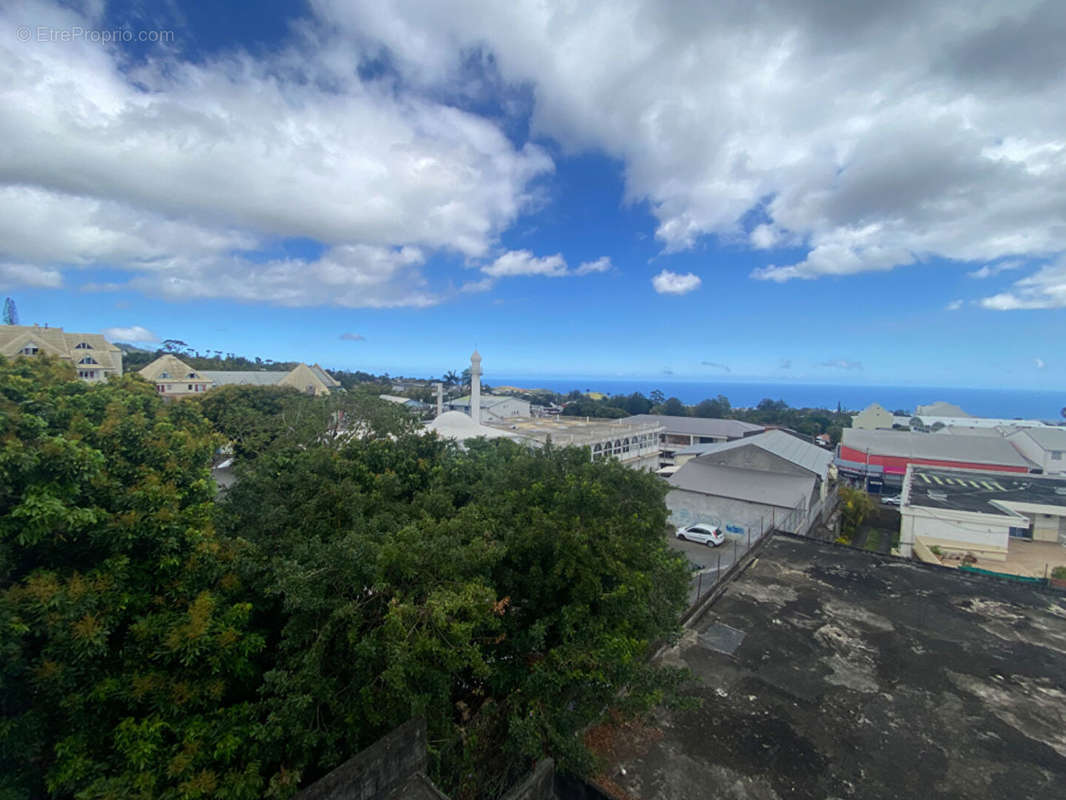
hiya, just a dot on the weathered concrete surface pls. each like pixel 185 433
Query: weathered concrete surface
pixel 868 677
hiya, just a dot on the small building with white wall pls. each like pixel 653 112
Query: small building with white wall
pixel 980 512
pixel 1045 447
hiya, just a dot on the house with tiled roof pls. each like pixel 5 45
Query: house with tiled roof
pixel 92 355
pixel 175 379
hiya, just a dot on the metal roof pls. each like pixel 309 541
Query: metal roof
pixel 696 426
pixel 752 485
pixel 487 401
pixel 907 444
pixel 803 454
pixel 1048 438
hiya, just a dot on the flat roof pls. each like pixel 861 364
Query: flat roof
pixel 697 426
pixel 982 490
pixel 934 447
pixel 784 445
pixel 575 430
pixel 826 671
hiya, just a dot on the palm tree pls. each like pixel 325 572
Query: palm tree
pixel 450 378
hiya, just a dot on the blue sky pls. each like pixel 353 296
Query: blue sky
pixel 618 189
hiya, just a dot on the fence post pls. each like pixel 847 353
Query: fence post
pixel 718 572
pixel 699 587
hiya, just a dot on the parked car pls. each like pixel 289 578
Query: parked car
pixel 703 534
pixel 895 500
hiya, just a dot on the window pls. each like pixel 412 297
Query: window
pixel 29 350
pixel 1056 455
pixel 88 360
pixel 192 375
pixel 83 346
pixel 190 387
pixel 164 375
pixel 160 387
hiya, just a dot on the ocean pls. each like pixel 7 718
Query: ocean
pixel 1004 403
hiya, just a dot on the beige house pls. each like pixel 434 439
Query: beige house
pixel 92 355
pixel 872 418
pixel 175 379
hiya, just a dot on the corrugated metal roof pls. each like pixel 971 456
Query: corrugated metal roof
pixel 786 446
pixel 756 486
pixel 907 444
pixel 1048 438
pixel 697 426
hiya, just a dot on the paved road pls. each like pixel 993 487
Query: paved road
pixel 710 560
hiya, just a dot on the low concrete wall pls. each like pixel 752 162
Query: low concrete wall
pixel 376 771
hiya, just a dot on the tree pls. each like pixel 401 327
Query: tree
pixel 506 594
pixel 673 408
pixel 126 653
pixel 11 313
pixel 717 408
pixel 855 507
pixel 657 397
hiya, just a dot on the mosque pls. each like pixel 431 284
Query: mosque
pixel 636 445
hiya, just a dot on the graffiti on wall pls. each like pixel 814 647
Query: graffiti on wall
pixel 683 517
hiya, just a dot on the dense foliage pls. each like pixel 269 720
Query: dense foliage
pixel 159 644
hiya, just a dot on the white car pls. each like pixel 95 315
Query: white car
pixel 892 501
pixel 703 534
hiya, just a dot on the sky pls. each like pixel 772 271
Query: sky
pixel 796 191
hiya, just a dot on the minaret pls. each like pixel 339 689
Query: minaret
pixel 475 386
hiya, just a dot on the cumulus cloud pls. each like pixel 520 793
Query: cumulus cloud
pixel 841 363
pixel 1045 288
pixel 1039 363
pixel 172 161
pixel 954 305
pixel 132 335
pixel 667 282
pixel 516 263
pixel 523 262
pixel 353 337
pixel 942 138
pixel 716 365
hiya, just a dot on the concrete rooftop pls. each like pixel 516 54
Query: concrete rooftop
pixel 827 672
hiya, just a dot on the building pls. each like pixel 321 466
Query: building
pixel 682 432
pixel 873 417
pixel 990 515
pixel 175 379
pixel 890 453
pixel 1043 446
pixel 754 483
pixel 92 355
pixel 459 427
pixel 493 408
pixel 407 402
pixel 829 672
pixel 634 444
pixel 940 409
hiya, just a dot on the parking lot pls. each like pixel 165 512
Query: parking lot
pixel 709 562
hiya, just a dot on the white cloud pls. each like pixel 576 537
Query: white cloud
pixel 353 337
pixel 602 264
pixel 941 139
pixel 132 335
pixel 522 262
pixel 17 275
pixel 1039 363
pixel 667 282
pixel 516 263
pixel 1045 288
pixel 988 270
pixel 954 305
pixel 145 167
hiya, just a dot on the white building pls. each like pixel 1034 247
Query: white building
pixel 980 512
pixel 493 408
pixel 634 444
pixel 1045 447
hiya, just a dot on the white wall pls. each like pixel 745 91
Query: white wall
pixel 508 408
pixel 688 508
pixel 984 532
pixel 1037 454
